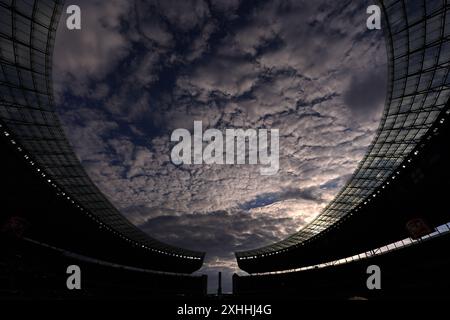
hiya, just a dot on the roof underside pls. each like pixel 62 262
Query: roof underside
pixel 418 44
pixel 27 110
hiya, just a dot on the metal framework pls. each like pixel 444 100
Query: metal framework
pixel 418 45
pixel 440 231
pixel 28 117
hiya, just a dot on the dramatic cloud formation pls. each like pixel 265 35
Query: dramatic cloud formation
pixel 138 70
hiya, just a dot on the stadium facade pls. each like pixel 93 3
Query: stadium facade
pixel 50 202
pixel 54 215
pixel 398 190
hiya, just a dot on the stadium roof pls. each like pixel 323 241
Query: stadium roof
pixel 418 44
pixel 27 114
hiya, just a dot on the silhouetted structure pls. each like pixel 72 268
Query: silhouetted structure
pixel 219 288
pixel 392 184
pixel 414 272
pixel 53 215
pixel 48 198
pixel 398 190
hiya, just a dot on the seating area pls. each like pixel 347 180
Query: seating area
pixel 30 270
pixel 419 271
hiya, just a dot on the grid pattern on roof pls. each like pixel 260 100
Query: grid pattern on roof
pixel 27 110
pixel 418 44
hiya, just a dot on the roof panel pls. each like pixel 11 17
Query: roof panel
pixel 419 58
pixel 28 112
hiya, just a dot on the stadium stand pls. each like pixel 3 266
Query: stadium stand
pixel 52 213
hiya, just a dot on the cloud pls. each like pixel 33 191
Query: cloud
pixel 93 51
pixel 309 69
pixel 227 6
pixel 366 92
pixel 220 233
pixel 231 77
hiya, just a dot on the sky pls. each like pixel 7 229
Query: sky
pixel 138 70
